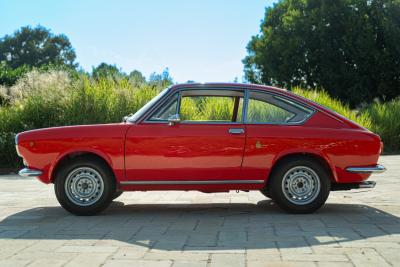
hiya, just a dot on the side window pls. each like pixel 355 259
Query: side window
pixel 267 108
pixel 166 111
pixel 211 108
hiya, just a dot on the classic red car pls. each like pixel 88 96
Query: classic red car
pixel 211 138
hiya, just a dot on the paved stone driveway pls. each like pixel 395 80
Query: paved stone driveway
pixel 355 228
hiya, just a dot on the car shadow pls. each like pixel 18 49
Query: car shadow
pixel 216 226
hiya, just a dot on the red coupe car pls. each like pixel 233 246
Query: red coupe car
pixel 210 138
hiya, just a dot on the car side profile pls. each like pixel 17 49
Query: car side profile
pixel 211 138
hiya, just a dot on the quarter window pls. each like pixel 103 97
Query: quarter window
pixel 268 108
pixel 167 110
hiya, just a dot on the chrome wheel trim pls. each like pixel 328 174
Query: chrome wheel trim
pixel 301 185
pixel 84 186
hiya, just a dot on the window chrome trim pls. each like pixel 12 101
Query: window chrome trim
pixel 198 182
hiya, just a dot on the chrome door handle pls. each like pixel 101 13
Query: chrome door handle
pixel 236 130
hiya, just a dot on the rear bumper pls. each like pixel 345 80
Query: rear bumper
pixel 349 186
pixel 370 169
pixel 26 172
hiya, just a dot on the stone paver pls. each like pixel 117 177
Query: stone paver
pixel 354 228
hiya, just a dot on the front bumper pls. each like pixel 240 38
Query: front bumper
pixel 26 172
pixel 370 169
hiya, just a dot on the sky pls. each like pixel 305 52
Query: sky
pixel 203 41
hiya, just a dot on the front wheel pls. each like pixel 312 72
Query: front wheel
pixel 84 186
pixel 300 186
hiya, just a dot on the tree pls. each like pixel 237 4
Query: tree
pixel 104 70
pixel 350 48
pixel 136 77
pixel 35 47
pixel 9 76
pixel 164 79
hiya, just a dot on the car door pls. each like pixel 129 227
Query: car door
pixel 205 146
pixel 273 125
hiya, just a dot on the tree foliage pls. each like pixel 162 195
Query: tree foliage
pixel 351 48
pixel 104 70
pixel 164 79
pixel 9 76
pixel 36 47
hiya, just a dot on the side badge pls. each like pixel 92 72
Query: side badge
pixel 258 144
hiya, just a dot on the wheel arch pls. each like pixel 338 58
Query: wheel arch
pixel 323 161
pixel 63 159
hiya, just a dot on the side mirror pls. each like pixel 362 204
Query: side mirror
pixel 174 119
pixel 125 118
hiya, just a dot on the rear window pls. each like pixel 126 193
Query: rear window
pixel 268 108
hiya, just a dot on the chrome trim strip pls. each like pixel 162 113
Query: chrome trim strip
pixel 192 182
pixel 375 169
pixel 26 172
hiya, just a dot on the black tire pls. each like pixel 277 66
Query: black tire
pixel 299 171
pixel 117 194
pixel 96 170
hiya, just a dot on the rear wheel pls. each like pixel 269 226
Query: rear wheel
pixel 84 186
pixel 300 186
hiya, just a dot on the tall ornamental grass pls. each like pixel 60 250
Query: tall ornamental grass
pixel 323 98
pixel 53 98
pixel 385 118
pixel 47 99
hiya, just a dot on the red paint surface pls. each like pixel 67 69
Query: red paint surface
pixel 156 152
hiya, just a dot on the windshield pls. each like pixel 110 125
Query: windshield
pixel 146 107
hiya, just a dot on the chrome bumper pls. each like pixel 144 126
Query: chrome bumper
pixel 374 169
pixel 26 172
pixel 367 184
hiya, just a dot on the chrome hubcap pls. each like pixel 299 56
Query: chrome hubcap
pixel 301 185
pixel 84 186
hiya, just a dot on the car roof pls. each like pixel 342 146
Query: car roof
pixel 227 86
